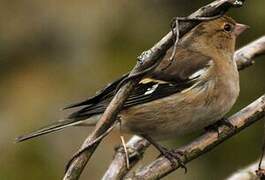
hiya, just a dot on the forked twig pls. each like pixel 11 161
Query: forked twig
pixel 175 31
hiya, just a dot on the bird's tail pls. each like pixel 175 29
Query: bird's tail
pixel 57 126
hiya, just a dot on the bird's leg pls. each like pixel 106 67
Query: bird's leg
pixel 213 127
pixel 169 154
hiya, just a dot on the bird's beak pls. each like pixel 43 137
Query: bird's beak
pixel 240 28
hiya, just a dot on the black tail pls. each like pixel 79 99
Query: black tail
pixel 48 129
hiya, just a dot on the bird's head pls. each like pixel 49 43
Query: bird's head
pixel 214 36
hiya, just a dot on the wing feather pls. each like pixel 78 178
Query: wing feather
pixel 139 96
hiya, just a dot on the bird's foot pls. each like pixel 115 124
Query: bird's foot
pixel 213 127
pixel 173 155
pixel 228 124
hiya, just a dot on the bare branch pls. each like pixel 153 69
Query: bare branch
pixel 244 56
pixel 117 169
pixel 146 60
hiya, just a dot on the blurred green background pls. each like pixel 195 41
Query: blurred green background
pixel 53 53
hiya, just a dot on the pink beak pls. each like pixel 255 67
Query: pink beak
pixel 240 28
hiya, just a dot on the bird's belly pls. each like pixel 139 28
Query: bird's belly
pixel 175 115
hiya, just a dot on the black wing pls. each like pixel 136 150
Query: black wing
pixel 143 93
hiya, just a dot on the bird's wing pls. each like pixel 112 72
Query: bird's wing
pixel 168 79
pixel 147 90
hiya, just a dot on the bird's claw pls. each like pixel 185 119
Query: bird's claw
pixel 173 155
pixel 228 124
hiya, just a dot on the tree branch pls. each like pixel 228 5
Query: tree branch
pixel 117 169
pixel 244 56
pixel 146 60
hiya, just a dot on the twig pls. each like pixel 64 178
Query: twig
pixel 125 151
pixel 262 154
pixel 175 32
pixel 96 140
pixel 261 171
pixel 135 146
pixel 244 56
pixel 149 58
pixel 117 166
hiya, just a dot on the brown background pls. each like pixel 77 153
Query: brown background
pixel 53 53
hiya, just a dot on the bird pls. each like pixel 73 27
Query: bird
pixel 181 95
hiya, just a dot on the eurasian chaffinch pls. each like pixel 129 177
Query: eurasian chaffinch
pixel 195 89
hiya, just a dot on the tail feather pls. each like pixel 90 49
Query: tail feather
pixel 48 129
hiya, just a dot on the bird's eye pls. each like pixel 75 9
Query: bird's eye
pixel 228 27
